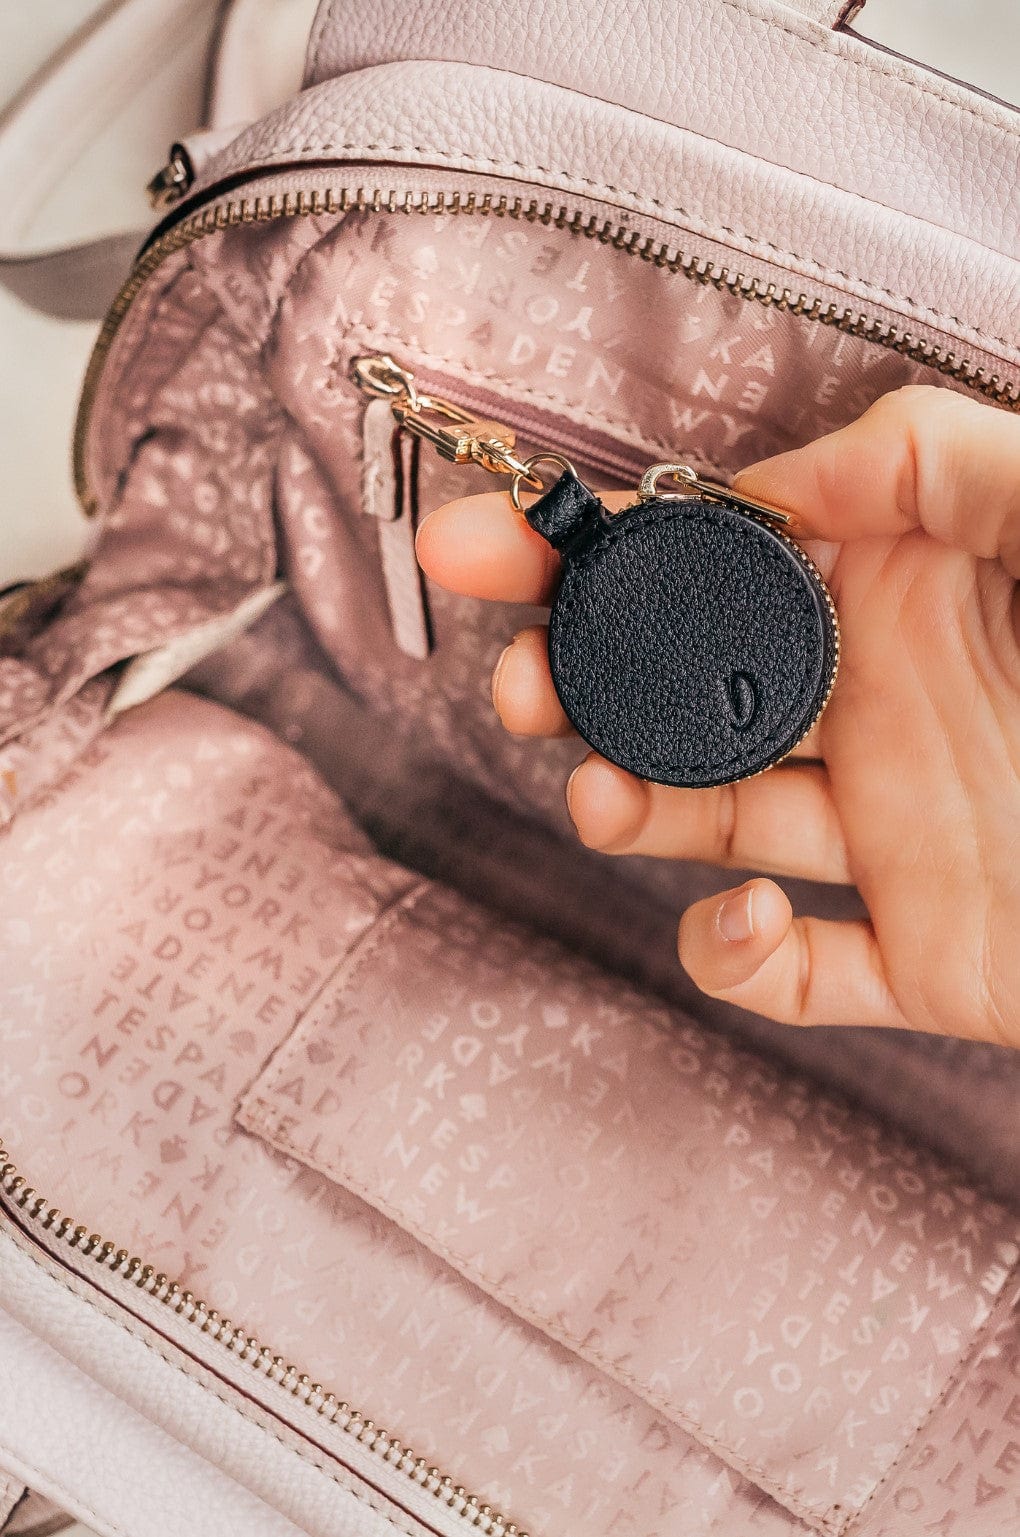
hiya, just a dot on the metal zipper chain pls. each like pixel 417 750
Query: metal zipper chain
pixel 250 1350
pixel 256 209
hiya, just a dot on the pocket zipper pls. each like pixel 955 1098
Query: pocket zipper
pixel 401 414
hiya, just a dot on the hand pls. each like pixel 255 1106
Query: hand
pixel 908 787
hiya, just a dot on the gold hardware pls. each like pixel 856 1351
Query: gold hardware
pixel 710 490
pixel 379 374
pixel 455 434
pixel 529 475
pixel 172 180
pixel 646 489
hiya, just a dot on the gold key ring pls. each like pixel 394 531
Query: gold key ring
pixel 527 472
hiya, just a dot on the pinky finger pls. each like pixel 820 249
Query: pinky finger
pixel 746 947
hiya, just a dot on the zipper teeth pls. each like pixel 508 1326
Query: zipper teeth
pixel 247 1348
pixel 837 642
pixel 256 210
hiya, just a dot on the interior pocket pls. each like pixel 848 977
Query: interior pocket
pixel 771 1270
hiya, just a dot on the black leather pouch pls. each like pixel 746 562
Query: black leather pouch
pixel 691 641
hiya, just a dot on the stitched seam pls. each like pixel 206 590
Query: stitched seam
pixel 256 1112
pixel 825 42
pixel 93 1515
pixel 492 162
pixel 311 1458
pixel 1004 1303
pixel 503 1294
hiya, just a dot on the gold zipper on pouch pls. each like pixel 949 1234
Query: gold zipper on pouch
pixel 254 209
pixel 35 1210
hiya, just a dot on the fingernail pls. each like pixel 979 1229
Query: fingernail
pixel 498 672
pixel 422 524
pixel 570 786
pixel 735 917
pixel 608 814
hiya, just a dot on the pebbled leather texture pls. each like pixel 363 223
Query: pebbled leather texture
pixel 408 123
pixel 688 642
pixel 753 75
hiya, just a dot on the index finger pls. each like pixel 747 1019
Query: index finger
pixel 920 456
pixel 482 547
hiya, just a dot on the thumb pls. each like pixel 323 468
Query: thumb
pixel 919 457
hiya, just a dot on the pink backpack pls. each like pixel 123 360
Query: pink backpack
pixel 340 1088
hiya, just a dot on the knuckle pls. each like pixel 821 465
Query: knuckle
pixel 726 827
pixel 804 978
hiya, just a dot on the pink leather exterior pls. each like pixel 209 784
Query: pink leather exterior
pixel 751 75
pixel 101 1418
pixel 928 270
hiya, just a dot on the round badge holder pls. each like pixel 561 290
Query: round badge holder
pixel 691 640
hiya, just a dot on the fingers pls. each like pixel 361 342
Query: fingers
pixel 481 547
pixel 920 456
pixel 747 948
pixel 783 821
pixel 523 691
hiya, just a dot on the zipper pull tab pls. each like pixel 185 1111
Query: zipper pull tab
pixel 389 493
pixel 711 490
pixel 456 435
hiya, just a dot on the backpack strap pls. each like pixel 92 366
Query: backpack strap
pixel 151 52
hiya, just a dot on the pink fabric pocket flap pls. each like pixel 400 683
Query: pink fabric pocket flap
pixel 773 1271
